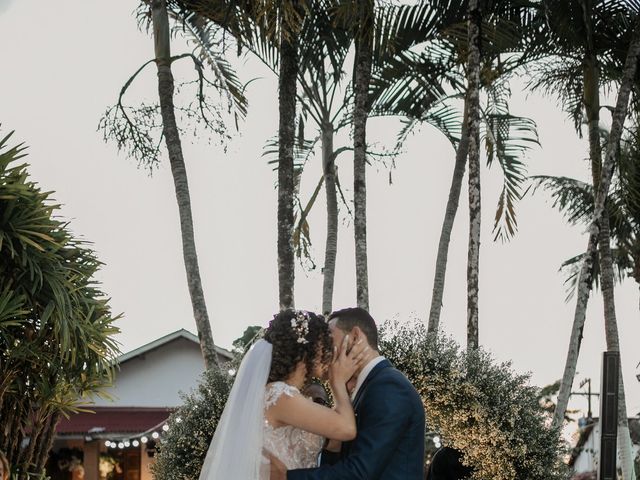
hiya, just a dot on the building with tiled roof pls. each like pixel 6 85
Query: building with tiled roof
pixel 116 438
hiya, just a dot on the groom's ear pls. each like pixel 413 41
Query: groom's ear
pixel 357 334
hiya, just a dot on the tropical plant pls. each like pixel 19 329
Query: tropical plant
pixel 586 42
pixel 136 130
pixel 56 328
pixel 274 28
pixel 423 82
pixel 575 200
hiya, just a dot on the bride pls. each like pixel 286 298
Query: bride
pixel 267 414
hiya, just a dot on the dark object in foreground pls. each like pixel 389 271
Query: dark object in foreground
pixel 446 464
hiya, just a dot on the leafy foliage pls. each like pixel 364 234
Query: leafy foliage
pixel 56 328
pixel 575 200
pixel 480 407
pixel 184 447
pixel 137 130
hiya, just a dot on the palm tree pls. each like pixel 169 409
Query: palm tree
pixel 413 87
pixel 361 79
pixel 473 92
pixel 287 93
pixel 591 50
pixel 587 41
pixel 161 35
pixel 575 199
pixel 263 25
pixel 132 130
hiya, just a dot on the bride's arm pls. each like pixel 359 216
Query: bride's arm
pixel 338 423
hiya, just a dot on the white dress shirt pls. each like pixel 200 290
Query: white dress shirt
pixel 362 376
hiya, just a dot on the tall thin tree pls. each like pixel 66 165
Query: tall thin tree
pixel 287 88
pixel 473 263
pixel 584 279
pixel 362 77
pixel 163 60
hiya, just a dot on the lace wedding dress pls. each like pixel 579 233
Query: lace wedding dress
pixel 237 449
pixel 294 447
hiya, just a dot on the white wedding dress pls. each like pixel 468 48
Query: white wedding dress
pixel 294 447
pixel 243 434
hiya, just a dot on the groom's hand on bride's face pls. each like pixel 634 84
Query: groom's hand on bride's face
pixel 278 469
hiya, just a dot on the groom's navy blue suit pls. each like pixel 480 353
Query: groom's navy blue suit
pixel 390 440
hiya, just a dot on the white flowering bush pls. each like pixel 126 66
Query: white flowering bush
pixel 183 448
pixel 480 407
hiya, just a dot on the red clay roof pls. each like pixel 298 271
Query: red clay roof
pixel 114 420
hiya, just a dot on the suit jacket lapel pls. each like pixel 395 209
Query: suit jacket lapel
pixel 377 369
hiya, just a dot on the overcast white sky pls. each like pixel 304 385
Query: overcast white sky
pixel 63 63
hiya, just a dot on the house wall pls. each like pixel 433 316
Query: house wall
pixel 156 378
pixel 145 465
pixel 587 460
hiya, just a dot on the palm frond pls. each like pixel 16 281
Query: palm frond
pixel 211 49
pixel 573 198
pixel 571 270
pixel 507 138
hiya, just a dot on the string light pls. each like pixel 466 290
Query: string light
pixel 123 442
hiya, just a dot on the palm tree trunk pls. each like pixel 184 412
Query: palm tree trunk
pixel 27 457
pixel 592 108
pixel 171 135
pixel 46 442
pixel 331 248
pixel 447 224
pixel 473 263
pixel 591 98
pixel 362 77
pixel 287 85
pixel 11 420
pixel 584 282
pixel 613 345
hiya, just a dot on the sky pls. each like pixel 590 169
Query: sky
pixel 63 65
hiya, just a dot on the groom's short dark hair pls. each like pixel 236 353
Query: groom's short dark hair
pixel 348 318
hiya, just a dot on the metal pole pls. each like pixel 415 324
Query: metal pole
pixel 609 416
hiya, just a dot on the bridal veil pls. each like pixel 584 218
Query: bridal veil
pixel 236 449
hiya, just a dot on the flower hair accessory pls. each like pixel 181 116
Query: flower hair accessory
pixel 300 325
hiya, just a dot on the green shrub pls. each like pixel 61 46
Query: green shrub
pixel 480 407
pixel 184 446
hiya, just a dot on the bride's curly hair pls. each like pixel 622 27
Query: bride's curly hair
pixel 295 340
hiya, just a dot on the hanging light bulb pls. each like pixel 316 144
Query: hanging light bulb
pixel 144 440
pixel 107 443
pixel 121 445
pixel 127 443
pixel 165 427
pixel 135 443
pixel 155 435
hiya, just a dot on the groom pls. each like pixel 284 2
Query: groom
pixel 389 416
